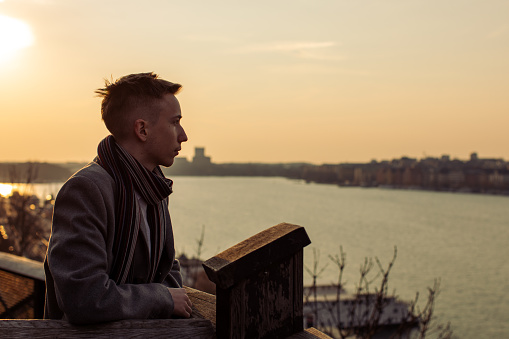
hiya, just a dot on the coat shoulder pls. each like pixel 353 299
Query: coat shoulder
pixel 93 172
pixel 89 179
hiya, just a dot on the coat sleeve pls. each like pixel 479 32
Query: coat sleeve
pixel 174 277
pixel 79 257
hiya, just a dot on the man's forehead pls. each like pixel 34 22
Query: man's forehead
pixel 170 105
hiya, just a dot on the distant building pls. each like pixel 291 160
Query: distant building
pixel 199 158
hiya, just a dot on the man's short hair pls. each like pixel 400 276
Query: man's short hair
pixel 127 94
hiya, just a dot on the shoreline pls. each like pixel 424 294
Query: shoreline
pixel 462 190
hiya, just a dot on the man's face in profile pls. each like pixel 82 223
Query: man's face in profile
pixel 165 136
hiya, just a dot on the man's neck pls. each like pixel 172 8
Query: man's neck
pixel 136 151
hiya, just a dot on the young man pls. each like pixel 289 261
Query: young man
pixel 111 253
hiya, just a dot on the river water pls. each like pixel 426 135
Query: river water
pixel 460 239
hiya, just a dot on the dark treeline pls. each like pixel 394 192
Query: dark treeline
pixel 35 172
pixel 441 174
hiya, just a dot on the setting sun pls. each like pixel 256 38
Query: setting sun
pixel 14 35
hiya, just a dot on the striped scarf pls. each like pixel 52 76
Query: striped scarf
pixel 153 187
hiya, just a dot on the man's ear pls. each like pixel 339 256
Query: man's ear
pixel 140 129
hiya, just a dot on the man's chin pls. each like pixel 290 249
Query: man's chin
pixel 168 163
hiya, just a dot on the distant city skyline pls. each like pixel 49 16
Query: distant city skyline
pixel 270 82
pixel 211 158
pixel 201 152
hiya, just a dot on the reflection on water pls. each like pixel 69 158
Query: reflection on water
pixel 42 191
pixel 5 189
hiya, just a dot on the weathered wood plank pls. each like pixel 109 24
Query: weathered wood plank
pixel 204 305
pixel 253 254
pixel 201 325
pixel 163 328
pixel 20 296
pixel 21 266
pixel 259 284
pixel 298 291
pixel 265 305
pixel 309 333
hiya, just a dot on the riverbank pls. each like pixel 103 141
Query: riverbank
pixel 477 175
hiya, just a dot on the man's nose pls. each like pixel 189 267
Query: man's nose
pixel 182 136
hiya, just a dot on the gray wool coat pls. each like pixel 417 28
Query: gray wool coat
pixel 79 258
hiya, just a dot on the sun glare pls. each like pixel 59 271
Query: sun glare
pixel 14 35
pixel 5 189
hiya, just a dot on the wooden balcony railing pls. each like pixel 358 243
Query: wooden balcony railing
pixel 22 287
pixel 259 290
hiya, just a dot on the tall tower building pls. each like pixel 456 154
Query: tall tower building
pixel 199 157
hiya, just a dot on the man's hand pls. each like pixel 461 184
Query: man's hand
pixel 182 304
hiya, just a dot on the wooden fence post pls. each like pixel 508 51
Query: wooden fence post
pixel 259 284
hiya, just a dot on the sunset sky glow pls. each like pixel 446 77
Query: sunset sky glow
pixel 265 81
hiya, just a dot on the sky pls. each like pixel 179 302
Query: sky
pixel 264 81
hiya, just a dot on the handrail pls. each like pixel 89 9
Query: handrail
pixel 22 266
pixel 259 284
pixel 22 287
pixel 259 295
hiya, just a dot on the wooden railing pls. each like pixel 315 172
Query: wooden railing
pixel 259 295
pixel 21 287
pixel 259 284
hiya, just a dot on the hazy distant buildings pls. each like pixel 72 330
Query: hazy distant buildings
pixel 432 173
pixel 443 174
pixel 199 158
pixel 201 164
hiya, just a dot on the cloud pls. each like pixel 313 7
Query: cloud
pixel 316 50
pixel 207 38
pixel 314 69
pixel 288 46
